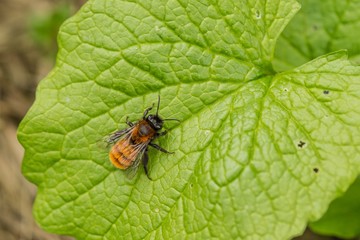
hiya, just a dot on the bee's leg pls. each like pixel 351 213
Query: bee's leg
pixel 145 159
pixel 147 111
pixel 161 134
pixel 128 122
pixel 160 148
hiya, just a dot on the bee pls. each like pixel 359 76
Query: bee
pixel 131 144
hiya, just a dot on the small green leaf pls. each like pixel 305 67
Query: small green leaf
pixel 257 154
pixel 320 27
pixel 342 218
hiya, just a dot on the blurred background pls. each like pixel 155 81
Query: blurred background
pixel 28 31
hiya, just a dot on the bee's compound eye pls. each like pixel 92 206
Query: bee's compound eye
pixel 155 121
pixel 159 125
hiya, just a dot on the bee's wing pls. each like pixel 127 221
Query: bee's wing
pixel 132 170
pixel 116 136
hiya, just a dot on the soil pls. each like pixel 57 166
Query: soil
pixel 23 63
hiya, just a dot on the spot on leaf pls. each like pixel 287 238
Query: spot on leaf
pixel 301 144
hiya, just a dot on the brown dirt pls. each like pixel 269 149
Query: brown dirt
pixel 22 64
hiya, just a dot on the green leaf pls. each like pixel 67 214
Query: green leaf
pixel 257 154
pixel 320 27
pixel 342 218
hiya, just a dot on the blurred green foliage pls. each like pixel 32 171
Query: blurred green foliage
pixel 43 28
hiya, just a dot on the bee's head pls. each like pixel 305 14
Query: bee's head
pixel 155 121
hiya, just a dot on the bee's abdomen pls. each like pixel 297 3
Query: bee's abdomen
pixel 120 157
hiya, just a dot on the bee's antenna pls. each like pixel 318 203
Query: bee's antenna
pixel 157 110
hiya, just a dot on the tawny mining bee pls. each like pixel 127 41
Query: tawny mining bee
pixel 131 144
